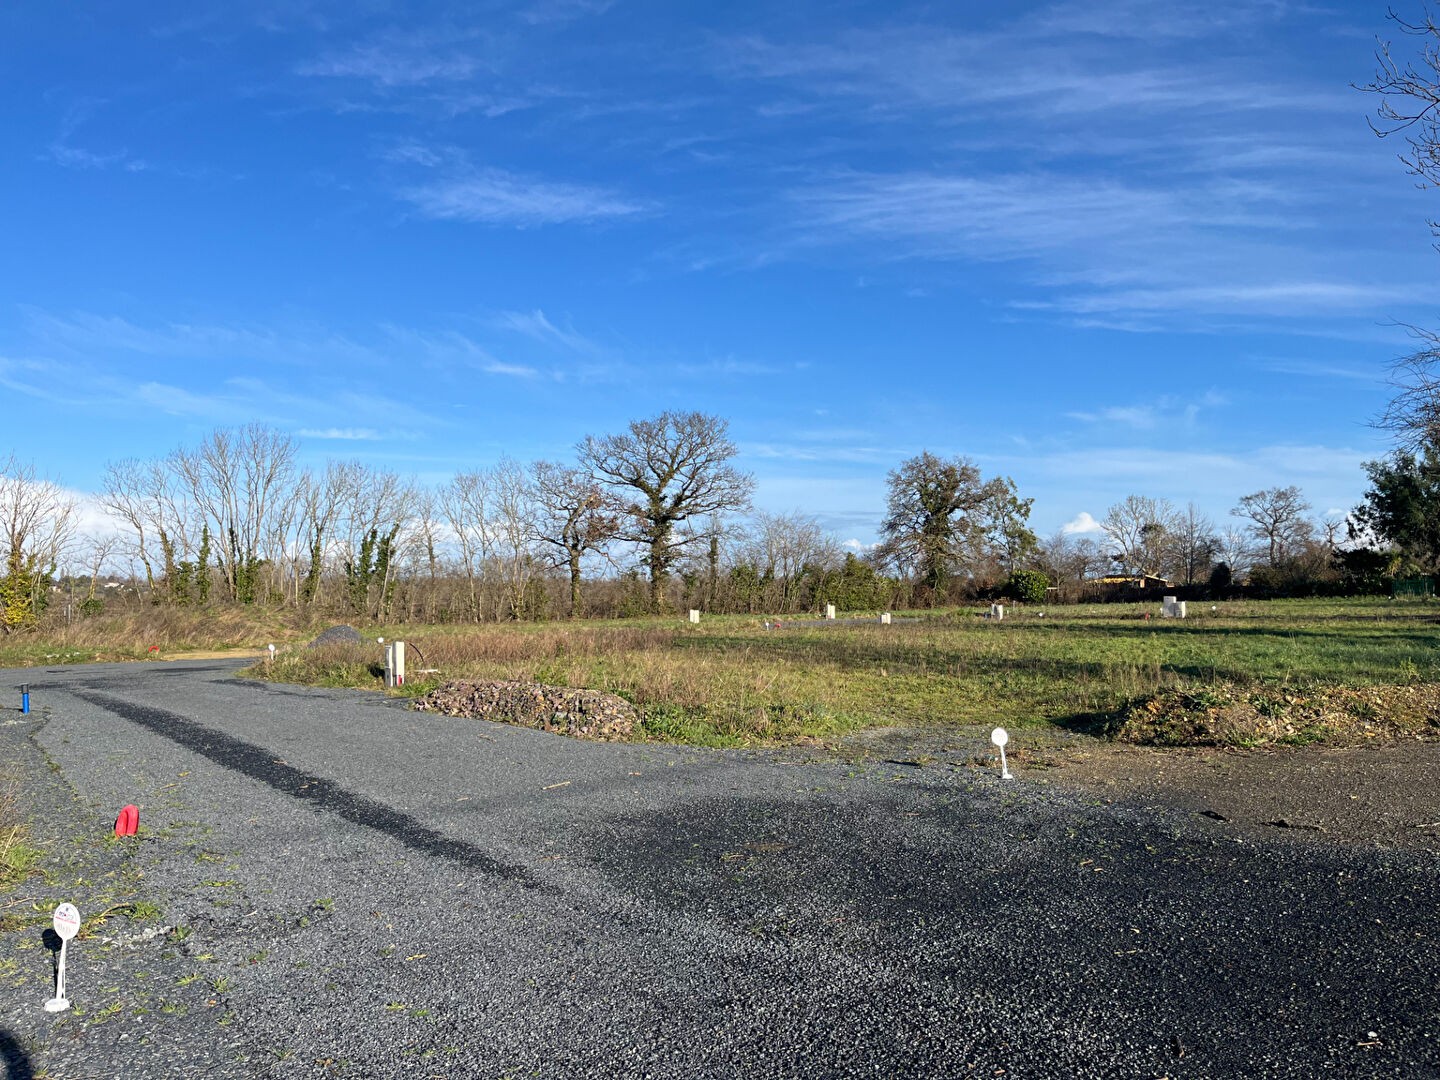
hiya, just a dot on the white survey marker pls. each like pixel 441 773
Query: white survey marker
pixel 1000 737
pixel 67 925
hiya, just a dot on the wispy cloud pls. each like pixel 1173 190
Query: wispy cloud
pixel 535 324
pixel 497 197
pixel 88 333
pixel 1165 411
pixel 396 59
pixel 558 11
pixel 342 434
pixel 76 157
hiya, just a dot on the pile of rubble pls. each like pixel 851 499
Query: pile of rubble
pixel 581 714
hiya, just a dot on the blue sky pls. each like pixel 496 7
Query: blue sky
pixel 1104 248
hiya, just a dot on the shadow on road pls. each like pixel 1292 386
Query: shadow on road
pixel 17 1061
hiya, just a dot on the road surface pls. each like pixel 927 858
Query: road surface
pixel 361 890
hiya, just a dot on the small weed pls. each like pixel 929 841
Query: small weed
pixel 221 984
pixel 186 980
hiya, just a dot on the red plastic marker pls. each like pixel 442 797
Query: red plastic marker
pixel 128 821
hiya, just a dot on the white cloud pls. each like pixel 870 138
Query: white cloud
pixel 1081 523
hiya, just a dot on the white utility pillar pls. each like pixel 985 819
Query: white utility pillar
pixel 395 664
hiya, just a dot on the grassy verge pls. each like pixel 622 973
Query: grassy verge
pixel 17 855
pixel 729 681
pixel 149 633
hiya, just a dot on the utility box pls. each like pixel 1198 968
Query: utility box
pixel 829 611
pixel 694 615
pixel 395 664
pixel 884 618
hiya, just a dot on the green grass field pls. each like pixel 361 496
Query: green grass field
pixel 730 682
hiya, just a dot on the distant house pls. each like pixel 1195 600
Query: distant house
pixel 1131 581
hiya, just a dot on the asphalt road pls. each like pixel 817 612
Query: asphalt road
pixel 365 891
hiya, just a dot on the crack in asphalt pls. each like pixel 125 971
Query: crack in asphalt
pixel 260 764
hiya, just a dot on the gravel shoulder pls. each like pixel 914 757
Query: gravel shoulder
pixel 366 891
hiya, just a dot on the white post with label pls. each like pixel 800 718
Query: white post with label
pixel 395 664
pixel 694 615
pixel 829 611
pixel 1000 737
pixel 67 925
pixel 884 618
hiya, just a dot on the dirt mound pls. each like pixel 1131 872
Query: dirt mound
pixel 1229 715
pixel 581 714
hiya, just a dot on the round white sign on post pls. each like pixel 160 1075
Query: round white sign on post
pixel 67 924
pixel 1000 737
pixel 67 921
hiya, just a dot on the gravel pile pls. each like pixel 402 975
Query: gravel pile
pixel 581 714
pixel 337 635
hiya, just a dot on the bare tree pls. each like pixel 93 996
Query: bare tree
pixel 514 529
pixel 1141 530
pixel 1194 543
pixel 1409 92
pixel 574 516
pixel 664 472
pixel 97 551
pixel 1234 548
pixel 237 478
pixel 788 549
pixel 146 496
pixel 376 513
pixel 322 498
pixel 1277 518
pixel 465 502
pixel 37 521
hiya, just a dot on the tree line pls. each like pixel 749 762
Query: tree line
pixel 652 518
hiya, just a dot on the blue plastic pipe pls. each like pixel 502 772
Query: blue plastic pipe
pixel 25 697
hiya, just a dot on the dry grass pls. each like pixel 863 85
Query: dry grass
pixel 144 633
pixel 730 682
pixel 17 855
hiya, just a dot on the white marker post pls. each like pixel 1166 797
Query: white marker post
pixel 67 925
pixel 272 652
pixel 1000 737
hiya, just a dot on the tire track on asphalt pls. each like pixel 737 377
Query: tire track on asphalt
pixel 259 764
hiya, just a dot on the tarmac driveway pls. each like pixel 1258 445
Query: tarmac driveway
pixel 365 891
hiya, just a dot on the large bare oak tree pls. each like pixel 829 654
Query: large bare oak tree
pixel 665 471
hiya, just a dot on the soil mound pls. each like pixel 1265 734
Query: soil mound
pixel 1229 715
pixel 581 714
